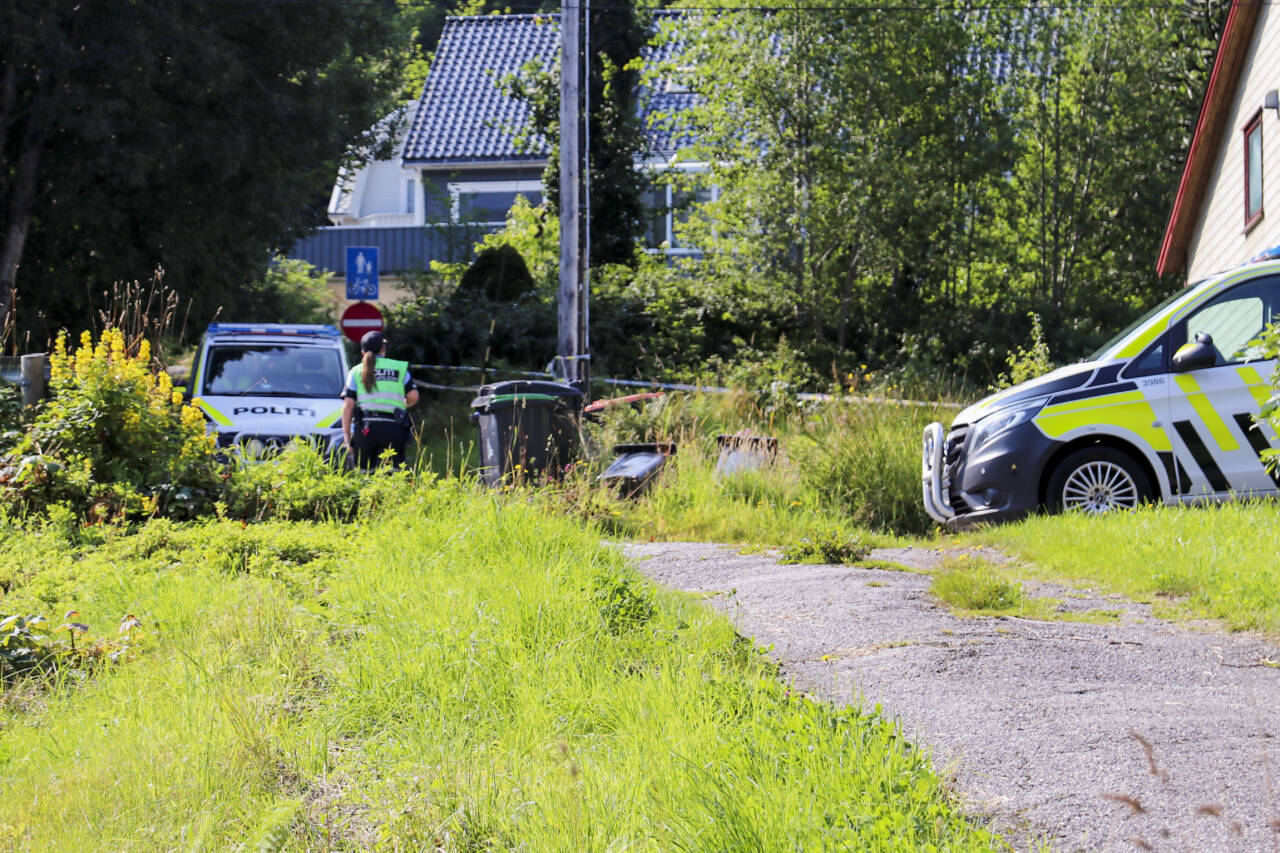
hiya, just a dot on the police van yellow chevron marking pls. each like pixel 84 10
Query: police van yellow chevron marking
pixel 214 415
pixel 1127 410
pixel 1258 388
pixel 1163 412
pixel 1200 402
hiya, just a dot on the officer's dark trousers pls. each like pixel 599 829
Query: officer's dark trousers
pixel 370 437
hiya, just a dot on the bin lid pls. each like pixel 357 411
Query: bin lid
pixel 525 390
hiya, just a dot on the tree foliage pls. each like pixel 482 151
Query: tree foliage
pixel 619 34
pixel 904 187
pixel 185 135
pixel 497 308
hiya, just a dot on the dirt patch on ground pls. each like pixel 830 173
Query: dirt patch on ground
pixel 1136 734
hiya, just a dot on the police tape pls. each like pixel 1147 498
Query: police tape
pixel 803 396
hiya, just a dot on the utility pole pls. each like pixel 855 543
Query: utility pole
pixel 572 345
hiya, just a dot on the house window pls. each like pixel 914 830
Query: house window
pixel 1253 171
pixel 682 204
pixel 410 195
pixel 667 208
pixel 488 203
pixel 657 210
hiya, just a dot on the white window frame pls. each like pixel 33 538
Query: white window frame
pixel 458 188
pixel 411 201
pixel 1252 126
pixel 669 236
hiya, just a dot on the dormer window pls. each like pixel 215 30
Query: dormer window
pixel 1253 171
pixel 679 85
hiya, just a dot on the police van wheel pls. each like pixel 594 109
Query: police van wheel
pixel 1095 480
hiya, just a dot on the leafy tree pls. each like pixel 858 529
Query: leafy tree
pixel 294 291
pixel 1105 101
pixel 497 308
pixel 191 136
pixel 618 35
pixel 904 187
pixel 833 158
pixel 114 440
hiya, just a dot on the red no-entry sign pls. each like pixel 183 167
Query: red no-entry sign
pixel 360 318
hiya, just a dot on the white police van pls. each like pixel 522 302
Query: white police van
pixel 1164 411
pixel 264 385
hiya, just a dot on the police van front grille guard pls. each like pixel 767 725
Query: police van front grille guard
pixel 933 474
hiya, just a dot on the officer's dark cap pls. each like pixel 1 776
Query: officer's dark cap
pixel 372 342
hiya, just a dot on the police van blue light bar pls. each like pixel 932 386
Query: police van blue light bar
pixel 272 329
pixel 1266 255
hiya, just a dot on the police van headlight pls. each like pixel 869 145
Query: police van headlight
pixel 1000 423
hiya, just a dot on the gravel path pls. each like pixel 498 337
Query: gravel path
pixel 1134 735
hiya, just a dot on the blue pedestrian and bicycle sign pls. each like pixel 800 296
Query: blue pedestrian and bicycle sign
pixel 362 272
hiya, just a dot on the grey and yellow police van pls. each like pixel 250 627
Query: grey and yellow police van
pixel 262 386
pixel 1163 412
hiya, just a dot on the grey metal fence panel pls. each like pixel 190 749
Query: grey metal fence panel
pixel 402 249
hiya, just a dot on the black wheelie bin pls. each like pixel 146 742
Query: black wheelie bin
pixel 527 428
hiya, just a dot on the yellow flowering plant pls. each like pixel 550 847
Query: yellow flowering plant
pixel 115 438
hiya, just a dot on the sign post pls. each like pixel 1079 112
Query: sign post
pixel 362 272
pixel 360 318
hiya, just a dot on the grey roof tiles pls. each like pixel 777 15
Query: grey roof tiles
pixel 464 114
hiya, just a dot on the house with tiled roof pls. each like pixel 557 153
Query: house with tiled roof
pixel 1220 216
pixel 464 150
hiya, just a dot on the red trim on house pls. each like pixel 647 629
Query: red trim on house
pixel 1210 126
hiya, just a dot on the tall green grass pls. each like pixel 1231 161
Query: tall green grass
pixel 843 467
pixel 1218 562
pixel 463 673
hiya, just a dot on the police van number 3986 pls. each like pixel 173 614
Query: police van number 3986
pixel 1164 411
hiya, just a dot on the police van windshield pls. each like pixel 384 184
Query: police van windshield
pixel 1142 321
pixel 264 370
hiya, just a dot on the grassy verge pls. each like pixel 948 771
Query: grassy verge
pixel 1215 562
pixel 461 673
pixel 844 470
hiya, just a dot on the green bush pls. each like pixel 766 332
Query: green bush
pixel 302 484
pixel 828 547
pixel 10 407
pixel 29 647
pixel 1026 363
pixel 115 439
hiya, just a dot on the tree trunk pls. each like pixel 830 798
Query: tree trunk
pixel 22 195
pixel 846 300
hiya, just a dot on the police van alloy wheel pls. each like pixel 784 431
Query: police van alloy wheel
pixel 1097 480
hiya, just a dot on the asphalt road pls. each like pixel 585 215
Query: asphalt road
pixel 1133 735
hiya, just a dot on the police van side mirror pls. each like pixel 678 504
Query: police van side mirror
pixel 1197 355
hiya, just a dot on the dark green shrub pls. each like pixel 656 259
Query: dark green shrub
pixel 622 601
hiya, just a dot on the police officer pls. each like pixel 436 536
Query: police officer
pixel 375 404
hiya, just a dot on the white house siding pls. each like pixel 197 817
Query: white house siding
pixel 1218 241
pixel 384 189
